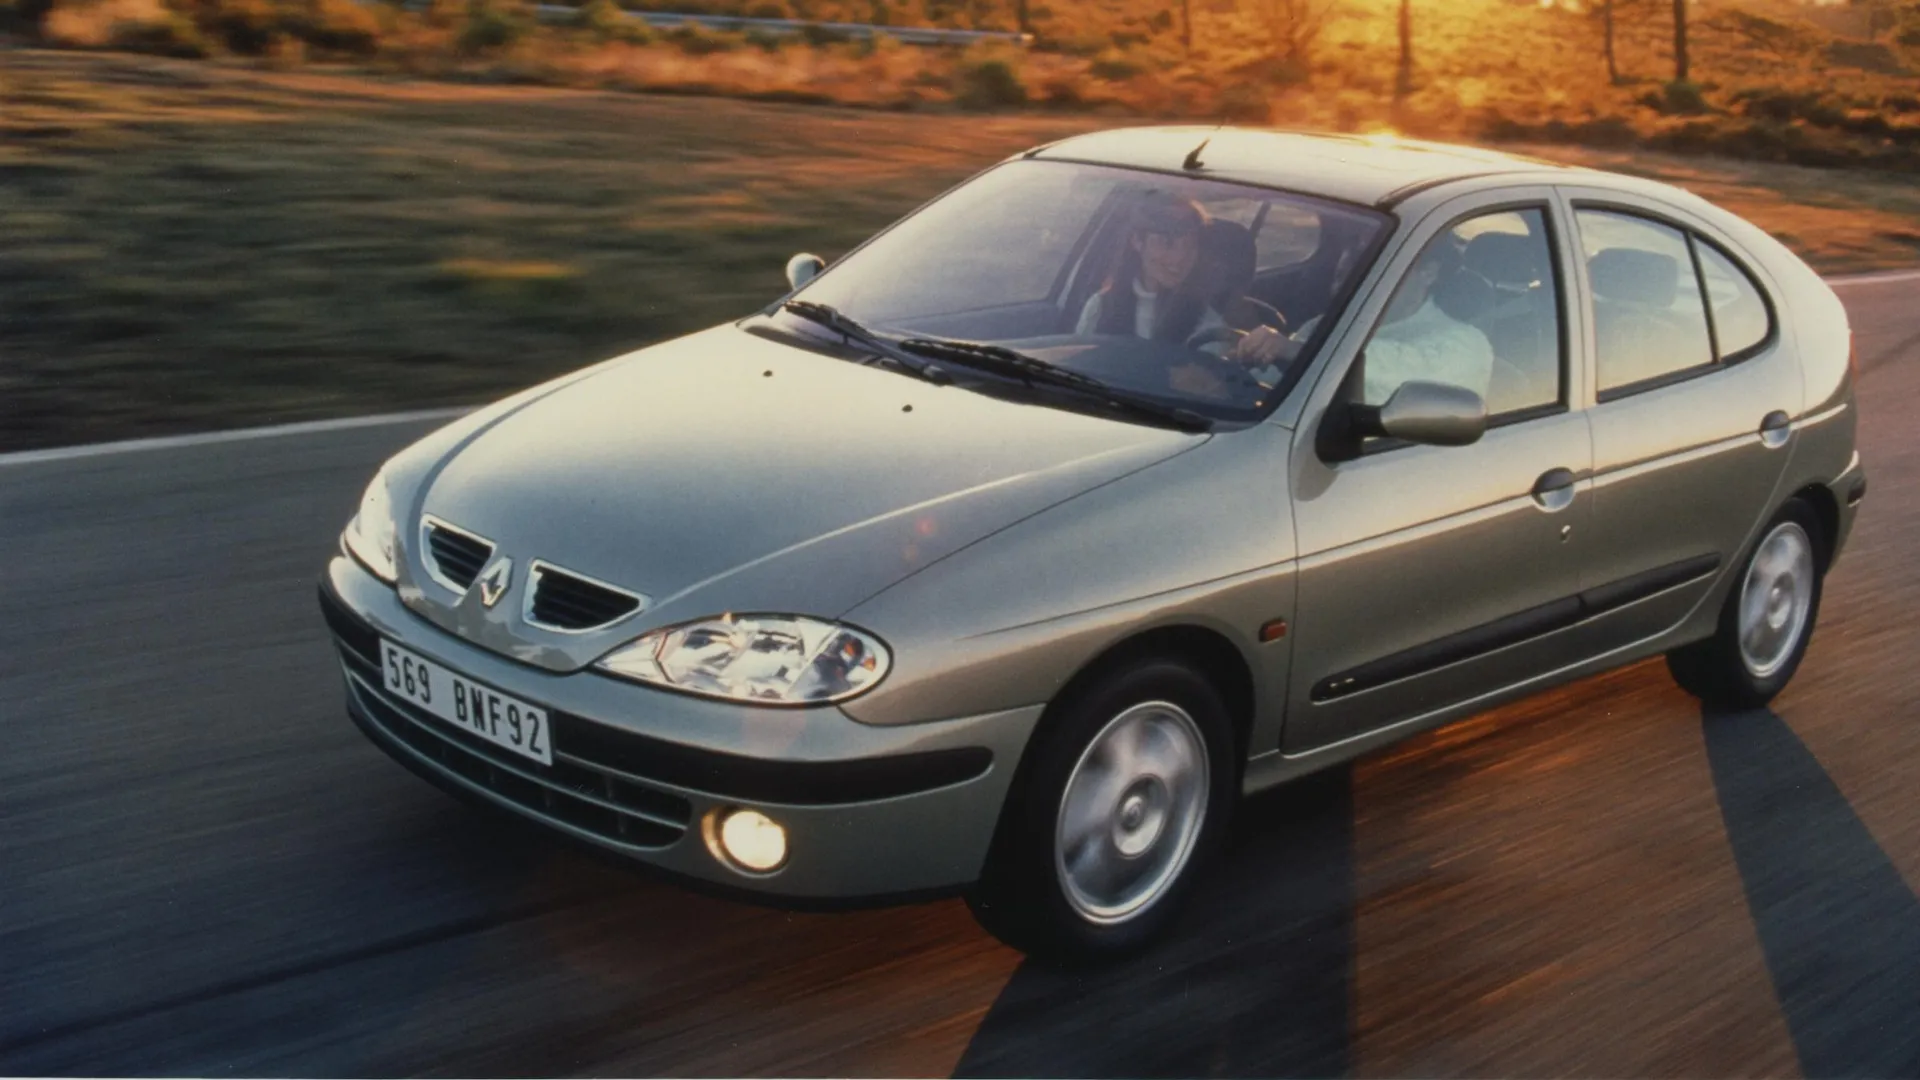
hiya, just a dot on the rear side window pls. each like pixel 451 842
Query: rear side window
pixel 1289 235
pixel 1740 320
pixel 1649 319
pixel 1283 234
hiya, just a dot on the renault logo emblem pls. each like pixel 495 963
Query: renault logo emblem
pixel 493 583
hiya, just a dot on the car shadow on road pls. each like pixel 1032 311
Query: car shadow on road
pixel 1255 981
pixel 1839 927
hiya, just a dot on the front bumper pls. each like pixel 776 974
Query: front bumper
pixel 870 812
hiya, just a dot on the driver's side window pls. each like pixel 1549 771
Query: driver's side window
pixel 1478 309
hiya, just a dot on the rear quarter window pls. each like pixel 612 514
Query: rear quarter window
pixel 1740 319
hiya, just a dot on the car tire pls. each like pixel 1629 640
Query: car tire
pixel 1773 605
pixel 1140 764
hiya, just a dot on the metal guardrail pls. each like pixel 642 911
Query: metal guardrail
pixel 911 35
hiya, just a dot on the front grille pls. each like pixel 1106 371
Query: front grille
pixel 594 800
pixel 454 555
pixel 558 600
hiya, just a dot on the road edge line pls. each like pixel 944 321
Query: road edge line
pixel 1873 277
pixel 209 438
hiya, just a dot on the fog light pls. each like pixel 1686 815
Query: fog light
pixel 753 840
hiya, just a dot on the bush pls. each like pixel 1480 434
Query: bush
pixel 988 81
pixel 817 35
pixel 769 9
pixel 879 43
pixel 247 27
pixel 1116 66
pixel 142 25
pixel 766 40
pixel 24 15
pixel 1677 99
pixel 1273 71
pixel 176 35
pixel 606 20
pixel 1244 103
pixel 697 40
pixel 1872 56
pixel 446 14
pixel 343 26
pixel 1784 106
pixel 1062 92
pixel 493 25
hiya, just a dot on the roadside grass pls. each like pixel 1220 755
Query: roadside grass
pixel 192 245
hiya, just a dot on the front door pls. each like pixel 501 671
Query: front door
pixel 1430 575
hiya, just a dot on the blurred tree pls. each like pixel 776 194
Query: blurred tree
pixel 1680 41
pixel 1403 76
pixel 1294 27
pixel 1606 17
pixel 1186 25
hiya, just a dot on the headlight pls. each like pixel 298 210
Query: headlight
pixel 372 536
pixel 768 659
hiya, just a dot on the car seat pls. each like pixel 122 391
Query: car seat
pixel 1518 320
pixel 1228 257
pixel 1638 333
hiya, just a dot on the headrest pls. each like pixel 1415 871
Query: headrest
pixel 1505 258
pixel 1228 245
pixel 1463 296
pixel 1634 276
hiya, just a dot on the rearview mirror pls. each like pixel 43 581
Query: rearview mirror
pixel 1437 414
pixel 802 268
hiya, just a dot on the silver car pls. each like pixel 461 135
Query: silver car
pixel 1142 471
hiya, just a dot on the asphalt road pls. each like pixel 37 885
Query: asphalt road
pixel 204 869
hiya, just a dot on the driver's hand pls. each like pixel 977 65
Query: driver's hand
pixel 1263 345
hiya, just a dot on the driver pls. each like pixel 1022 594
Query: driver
pixel 1154 293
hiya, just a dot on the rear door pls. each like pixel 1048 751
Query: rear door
pixel 1431 575
pixel 1695 385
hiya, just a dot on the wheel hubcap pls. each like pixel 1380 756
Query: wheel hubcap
pixel 1131 812
pixel 1775 599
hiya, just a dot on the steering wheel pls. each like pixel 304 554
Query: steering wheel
pixel 1235 373
pixel 1213 335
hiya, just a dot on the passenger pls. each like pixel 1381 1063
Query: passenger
pixel 1418 340
pixel 1154 292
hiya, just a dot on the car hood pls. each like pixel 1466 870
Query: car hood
pixel 729 472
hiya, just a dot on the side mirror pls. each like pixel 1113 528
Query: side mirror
pixel 1434 413
pixel 802 268
pixel 1437 414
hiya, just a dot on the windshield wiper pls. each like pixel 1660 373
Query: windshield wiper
pixel 831 317
pixel 1035 371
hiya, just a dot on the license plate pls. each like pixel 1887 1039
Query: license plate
pixel 495 717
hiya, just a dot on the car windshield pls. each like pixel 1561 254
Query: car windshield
pixel 1194 293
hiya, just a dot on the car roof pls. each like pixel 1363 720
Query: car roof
pixel 1375 170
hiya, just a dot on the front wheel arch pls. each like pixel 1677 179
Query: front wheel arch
pixel 1208 650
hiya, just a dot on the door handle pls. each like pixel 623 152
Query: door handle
pixel 1554 490
pixel 1775 429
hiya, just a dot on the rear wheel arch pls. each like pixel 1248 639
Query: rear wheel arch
pixel 1826 510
